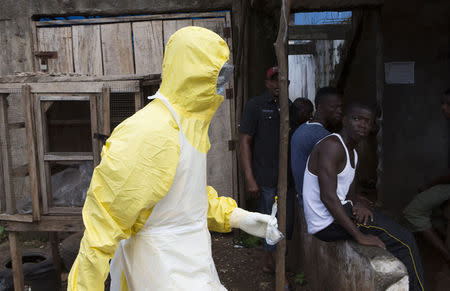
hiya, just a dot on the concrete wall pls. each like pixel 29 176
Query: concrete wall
pixel 347 266
pixel 415 132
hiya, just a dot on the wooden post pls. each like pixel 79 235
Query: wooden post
pixel 16 258
pixel 137 101
pixel 379 97
pixel 36 103
pixel 94 128
pixel 241 81
pixel 281 52
pixel 44 107
pixel 53 237
pixel 31 146
pixel 106 111
pixel 5 156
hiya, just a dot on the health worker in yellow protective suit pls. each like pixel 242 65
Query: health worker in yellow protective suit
pixel 148 207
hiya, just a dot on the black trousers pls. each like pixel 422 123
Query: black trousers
pixel 398 240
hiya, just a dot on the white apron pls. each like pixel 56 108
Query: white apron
pixel 173 249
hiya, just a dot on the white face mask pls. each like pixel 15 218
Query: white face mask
pixel 224 77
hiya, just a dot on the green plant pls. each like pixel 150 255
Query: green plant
pixel 300 279
pixel 247 240
pixel 3 234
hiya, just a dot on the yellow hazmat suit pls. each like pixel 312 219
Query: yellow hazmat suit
pixel 148 206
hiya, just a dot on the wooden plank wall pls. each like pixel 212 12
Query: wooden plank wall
pixel 87 50
pixel 170 26
pixel 117 49
pixel 57 39
pixel 134 47
pixel 137 47
pixel 148 46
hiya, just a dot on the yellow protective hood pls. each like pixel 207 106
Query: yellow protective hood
pixel 192 62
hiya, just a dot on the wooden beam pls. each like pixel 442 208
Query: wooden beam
pixel 54 242
pixel 31 149
pixel 137 101
pixel 68 211
pixel 302 49
pixel 37 112
pixel 234 136
pixel 379 74
pixel 70 122
pixel 106 111
pixel 323 5
pixel 325 31
pixel 68 156
pixel 35 46
pixel 63 98
pixel 48 223
pixel 73 87
pixel 41 78
pixel 16 217
pixel 96 144
pixel 5 155
pixel 151 82
pixel 106 20
pixel 46 144
pixel 350 45
pixel 16 125
pixel 16 258
pixel 282 57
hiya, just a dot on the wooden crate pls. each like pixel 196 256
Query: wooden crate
pixel 24 106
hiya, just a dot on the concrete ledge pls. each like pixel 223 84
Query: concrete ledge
pixel 345 265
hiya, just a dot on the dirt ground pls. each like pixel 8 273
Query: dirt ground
pixel 239 268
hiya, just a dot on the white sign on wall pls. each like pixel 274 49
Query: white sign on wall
pixel 399 72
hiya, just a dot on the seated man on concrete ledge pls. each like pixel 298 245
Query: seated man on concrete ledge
pixel 329 216
pixel 426 212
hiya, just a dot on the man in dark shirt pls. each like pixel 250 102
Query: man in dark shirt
pixel 259 144
pixel 328 116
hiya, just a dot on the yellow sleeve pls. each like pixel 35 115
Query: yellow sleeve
pixel 136 171
pixel 219 211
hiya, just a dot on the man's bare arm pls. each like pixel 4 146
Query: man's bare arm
pixel 329 155
pixel 246 142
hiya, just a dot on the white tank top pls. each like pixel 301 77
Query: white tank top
pixel 316 214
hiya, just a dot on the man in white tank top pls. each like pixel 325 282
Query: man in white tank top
pixel 329 173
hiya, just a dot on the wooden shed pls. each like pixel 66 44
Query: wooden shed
pixel 52 129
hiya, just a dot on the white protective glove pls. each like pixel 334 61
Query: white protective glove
pixel 253 223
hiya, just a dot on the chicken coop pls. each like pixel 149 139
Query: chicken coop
pixel 52 129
